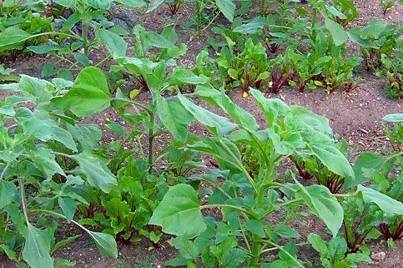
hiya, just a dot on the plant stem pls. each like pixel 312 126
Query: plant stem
pixel 151 142
pixel 256 251
pixel 23 204
pixel 3 172
pixel 226 206
pixel 134 104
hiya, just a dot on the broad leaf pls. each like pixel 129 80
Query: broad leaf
pixel 132 3
pixel 105 243
pixel 97 172
pixel 221 100
pixel 44 159
pixel 181 76
pixel 219 124
pixel 227 7
pixel 339 35
pixel 37 247
pixel 115 44
pixel 39 89
pixel 251 27
pixel 7 193
pixel 68 207
pixel 179 212
pixel 154 4
pixel 393 118
pixel 387 204
pixel 323 204
pixel 333 159
pixel 174 117
pixel 12 36
pixel 88 95
pixel 45 129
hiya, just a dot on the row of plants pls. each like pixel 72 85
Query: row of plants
pixel 54 169
pixel 297 46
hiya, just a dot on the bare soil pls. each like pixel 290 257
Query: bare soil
pixel 355 116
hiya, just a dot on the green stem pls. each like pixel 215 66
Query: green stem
pixel 240 165
pixel 257 250
pixel 283 250
pixel 3 172
pixel 226 206
pixel 151 142
pixel 134 104
pixel 23 204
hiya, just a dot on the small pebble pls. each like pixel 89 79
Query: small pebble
pixel 379 256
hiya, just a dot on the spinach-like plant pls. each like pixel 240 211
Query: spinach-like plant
pixel 323 65
pixel 392 69
pixel 378 207
pixel 250 68
pixel 312 168
pixel 376 38
pixel 240 236
pixel 394 131
pixel 46 163
pixel 19 19
pixel 334 253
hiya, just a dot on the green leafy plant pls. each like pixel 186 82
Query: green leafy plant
pixel 7 74
pixel 325 65
pixel 377 208
pixel 376 39
pixel 334 253
pixel 312 168
pixel 394 130
pixel 246 69
pixel 387 5
pixel 46 162
pixel 19 20
pixel 392 69
pixel 240 236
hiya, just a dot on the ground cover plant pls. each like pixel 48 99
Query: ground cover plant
pixel 181 131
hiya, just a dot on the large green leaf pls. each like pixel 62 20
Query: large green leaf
pixel 45 129
pixel 174 117
pixel 154 4
pixel 219 124
pixel 388 205
pixel 333 159
pixel 132 3
pixel 221 100
pixel 115 44
pixel 7 193
pixel 179 212
pixel 227 8
pixel 252 26
pixel 99 4
pixel 88 95
pixel 181 76
pixel 337 32
pixel 272 108
pixel 12 36
pixel 40 90
pixel 96 171
pixel 44 159
pixel 37 247
pixel 393 118
pixel 323 204
pixel 105 243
